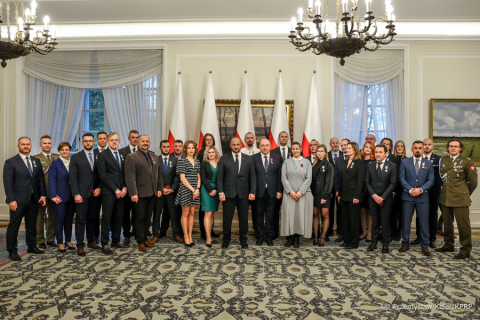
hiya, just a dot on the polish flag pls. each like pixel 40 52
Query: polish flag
pixel 279 118
pixel 209 118
pixel 245 116
pixel 313 125
pixel 178 125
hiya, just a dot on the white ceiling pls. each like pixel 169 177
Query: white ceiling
pixel 109 11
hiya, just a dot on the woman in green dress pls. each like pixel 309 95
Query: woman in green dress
pixel 208 192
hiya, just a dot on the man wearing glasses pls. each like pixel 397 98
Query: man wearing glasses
pixel 371 138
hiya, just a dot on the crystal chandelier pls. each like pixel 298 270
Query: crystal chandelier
pixel 349 36
pixel 25 40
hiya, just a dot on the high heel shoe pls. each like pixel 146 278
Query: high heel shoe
pixel 315 241
pixel 209 245
pixel 62 250
pixel 321 244
pixel 189 244
pixel 69 247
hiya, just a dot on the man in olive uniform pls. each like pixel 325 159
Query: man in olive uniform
pixel 459 176
pixel 46 158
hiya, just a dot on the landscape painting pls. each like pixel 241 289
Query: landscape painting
pixel 227 113
pixel 456 118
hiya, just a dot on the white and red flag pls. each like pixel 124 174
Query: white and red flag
pixel 279 118
pixel 313 125
pixel 178 125
pixel 245 116
pixel 209 118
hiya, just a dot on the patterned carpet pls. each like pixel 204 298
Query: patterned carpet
pixel 172 281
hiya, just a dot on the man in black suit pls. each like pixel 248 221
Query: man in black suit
pixel 236 184
pixel 313 148
pixel 333 155
pixel 127 222
pixel 111 173
pixel 94 223
pixel 24 187
pixel 177 149
pixel 336 186
pixel 380 180
pixel 165 205
pixel 268 172
pixel 85 187
pixel 433 195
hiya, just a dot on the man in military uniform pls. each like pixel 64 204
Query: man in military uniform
pixel 46 158
pixel 459 176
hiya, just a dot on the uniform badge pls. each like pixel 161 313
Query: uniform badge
pixel 323 168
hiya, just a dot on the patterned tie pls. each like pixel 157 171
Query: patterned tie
pixel 100 150
pixel 283 154
pixel 335 158
pixel 417 166
pixel 266 163
pixel 165 164
pixel 237 163
pixel 118 159
pixel 90 159
pixel 29 166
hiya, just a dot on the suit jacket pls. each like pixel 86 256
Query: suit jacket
pixel 393 158
pixel 322 179
pixel 170 176
pixel 140 179
pixel 206 175
pixel 330 156
pixel 309 158
pixel 18 182
pixel 110 174
pixel 409 180
pixel 45 165
pixel 83 180
pixel 437 185
pixel 278 151
pixel 59 181
pixel 272 178
pixel 200 155
pixel 382 184
pixel 338 173
pixel 352 180
pixel 234 183
pixel 125 151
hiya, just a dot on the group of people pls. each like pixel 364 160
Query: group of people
pixel 371 192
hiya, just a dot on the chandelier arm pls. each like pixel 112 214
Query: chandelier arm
pixel 306 38
pixel 377 45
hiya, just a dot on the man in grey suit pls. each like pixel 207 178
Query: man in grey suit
pixel 236 184
pixel 144 179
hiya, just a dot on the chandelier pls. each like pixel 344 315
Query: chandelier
pixel 25 39
pixel 349 36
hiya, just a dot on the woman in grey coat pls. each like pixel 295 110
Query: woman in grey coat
pixel 297 205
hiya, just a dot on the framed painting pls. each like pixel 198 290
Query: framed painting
pixel 227 113
pixel 456 118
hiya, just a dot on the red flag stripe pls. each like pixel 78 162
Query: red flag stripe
pixel 305 146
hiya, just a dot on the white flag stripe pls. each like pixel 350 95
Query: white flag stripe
pixel 178 125
pixel 209 118
pixel 279 118
pixel 245 116
pixel 313 124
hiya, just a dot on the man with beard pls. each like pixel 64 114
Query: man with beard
pixel 250 148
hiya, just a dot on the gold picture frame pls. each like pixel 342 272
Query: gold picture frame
pixel 456 118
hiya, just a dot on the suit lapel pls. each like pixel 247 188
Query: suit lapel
pixel 19 158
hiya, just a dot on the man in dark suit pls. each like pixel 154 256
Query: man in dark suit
pixel 111 173
pixel 236 184
pixel 333 155
pixel 177 149
pixel 380 180
pixel 128 223
pixel 268 172
pixel 144 179
pixel 416 177
pixel 85 187
pixel 165 205
pixel 313 148
pixel 94 223
pixel 24 187
pixel 433 195
pixel 336 187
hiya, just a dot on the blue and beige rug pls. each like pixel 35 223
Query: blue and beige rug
pixel 172 281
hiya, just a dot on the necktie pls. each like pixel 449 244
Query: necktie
pixel 334 158
pixel 266 163
pixel 29 166
pixel 48 157
pixel 149 161
pixel 417 167
pixel 134 149
pixel 237 163
pixel 283 154
pixel 165 164
pixel 100 150
pixel 118 159
pixel 90 159
pixel 379 169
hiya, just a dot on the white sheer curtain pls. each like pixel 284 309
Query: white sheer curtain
pixel 52 110
pixel 381 112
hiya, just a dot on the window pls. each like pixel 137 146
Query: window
pixel 93 120
pixel 375 119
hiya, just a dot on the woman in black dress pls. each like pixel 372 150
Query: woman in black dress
pixel 368 155
pixel 350 193
pixel 188 195
pixel 322 183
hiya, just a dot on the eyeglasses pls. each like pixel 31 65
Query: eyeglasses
pixel 386 144
pixel 369 138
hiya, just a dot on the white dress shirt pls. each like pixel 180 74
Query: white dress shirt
pixel 250 152
pixel 131 148
pixel 239 160
pixel 24 158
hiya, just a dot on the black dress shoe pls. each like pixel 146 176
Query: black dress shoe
pixel 416 241
pixel 371 247
pixel 444 249
pixel 42 246
pixel 106 250
pixel 385 249
pixel 35 250
pixel 259 242
pixel 290 241
pixel 433 245
pixel 52 244
pixel 244 245
pixel 296 242
pixel 269 242
pixel 462 256
pixel 225 244
pixel 118 245
pixel 215 235
pixel 14 256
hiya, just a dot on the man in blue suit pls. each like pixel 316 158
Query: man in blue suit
pixel 24 187
pixel 416 177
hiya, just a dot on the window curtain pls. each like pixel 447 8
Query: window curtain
pixel 129 80
pixel 382 71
